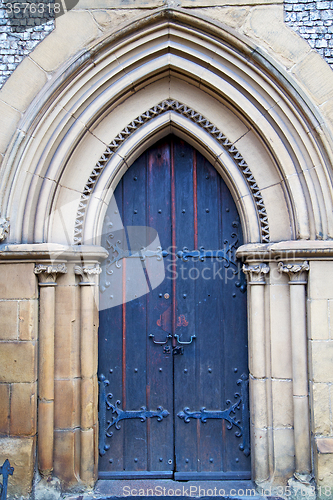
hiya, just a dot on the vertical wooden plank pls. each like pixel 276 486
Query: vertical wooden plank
pixel 159 363
pixel 235 331
pixel 135 214
pixel 210 366
pixel 110 342
pixel 185 381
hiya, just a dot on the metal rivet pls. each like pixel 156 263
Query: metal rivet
pixel 234 295
pixel 207 176
pixel 227 210
pixel 116 211
pixel 135 460
pixel 238 284
pixel 169 461
pixel 111 460
pixel 237 460
pixel 185 370
pixel 161 459
pixel 187 460
pixel 135 178
pixel 211 460
pixel 207 210
pixel 209 370
pixel 184 295
pixel 135 370
pixel 111 296
pixel 235 370
pixel 166 296
pixel 183 211
pixel 160 369
pixel 111 370
pixel 135 211
pixel 182 154
pixel 160 211
pixel 160 295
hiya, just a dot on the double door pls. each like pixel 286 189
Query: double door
pixel 173 370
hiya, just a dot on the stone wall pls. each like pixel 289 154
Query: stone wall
pixel 320 311
pixel 312 20
pixel 18 372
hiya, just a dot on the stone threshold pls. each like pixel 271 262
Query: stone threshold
pixel 165 489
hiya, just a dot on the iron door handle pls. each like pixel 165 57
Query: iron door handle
pixel 184 343
pixel 169 336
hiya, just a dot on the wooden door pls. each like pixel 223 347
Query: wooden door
pixel 173 361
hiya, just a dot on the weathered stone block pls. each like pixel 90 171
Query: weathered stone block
pixel 4 408
pixel 18 281
pixel 17 362
pixel 73 32
pixel 66 403
pixel 23 409
pixel 67 343
pixel 316 76
pixel 282 395
pixel 23 85
pixel 28 319
pixel 321 361
pixel 324 474
pixel 21 455
pixel 9 120
pixel 318 319
pixel 284 452
pixel 321 408
pixel 321 280
pixel 64 457
pixel 325 445
pixel 8 324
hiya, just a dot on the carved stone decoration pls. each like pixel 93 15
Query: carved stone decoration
pixel 256 272
pixel 201 121
pixel 87 273
pixel 296 271
pixel 47 273
pixel 4 228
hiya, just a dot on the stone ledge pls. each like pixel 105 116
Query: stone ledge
pixel 51 251
pixel 297 249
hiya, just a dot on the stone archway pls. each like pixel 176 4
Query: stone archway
pixel 178 73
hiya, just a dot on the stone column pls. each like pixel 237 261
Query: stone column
pixel 89 384
pixel 257 365
pixel 47 275
pixel 297 280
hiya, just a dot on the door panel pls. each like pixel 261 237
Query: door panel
pixel 198 312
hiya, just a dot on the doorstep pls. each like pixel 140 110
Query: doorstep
pixel 165 489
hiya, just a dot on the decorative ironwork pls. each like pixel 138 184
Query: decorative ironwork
pixel 204 414
pixel 203 254
pixel 141 254
pixel 103 383
pixel 119 414
pixel 201 121
pixel 229 414
pixel 6 470
pixel 142 414
pixel 243 381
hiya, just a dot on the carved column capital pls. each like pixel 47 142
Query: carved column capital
pixel 47 273
pixel 255 273
pixel 87 273
pixel 4 228
pixel 297 272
